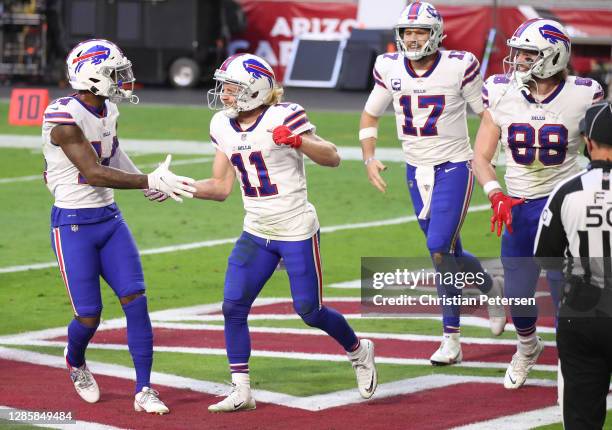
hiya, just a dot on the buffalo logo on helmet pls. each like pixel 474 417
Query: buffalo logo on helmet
pixel 433 12
pixel 553 35
pixel 258 70
pixel 96 54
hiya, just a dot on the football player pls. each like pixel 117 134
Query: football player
pixel 534 109
pixel 262 142
pixel 429 89
pixel 89 236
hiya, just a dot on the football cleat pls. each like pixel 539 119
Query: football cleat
pixel 497 313
pixel 84 382
pixel 519 367
pixel 449 351
pixel 365 368
pixel 147 400
pixel 239 399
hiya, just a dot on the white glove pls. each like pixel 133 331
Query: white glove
pixel 162 179
pixel 155 196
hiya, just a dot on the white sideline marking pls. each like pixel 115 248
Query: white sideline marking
pixel 193 147
pixel 280 354
pixel 210 243
pixel 74 425
pixel 140 166
pixel 39 337
pixel 310 403
pixel 465 320
pixel 369 335
pixel 520 421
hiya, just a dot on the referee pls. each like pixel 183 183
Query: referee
pixel 575 234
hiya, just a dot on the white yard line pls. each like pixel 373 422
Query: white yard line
pixel 310 403
pixel 143 146
pixel 369 335
pixel 73 425
pixel 278 354
pixel 216 242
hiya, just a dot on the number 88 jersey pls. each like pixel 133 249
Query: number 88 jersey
pixel 272 177
pixel 541 140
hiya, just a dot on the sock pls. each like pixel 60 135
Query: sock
pixel 527 344
pixel 242 379
pixel 470 264
pixel 451 325
pixel 79 336
pixel 356 352
pixel 140 340
pixel 455 336
pixel 239 368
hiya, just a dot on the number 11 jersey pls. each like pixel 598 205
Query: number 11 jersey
pixel 272 177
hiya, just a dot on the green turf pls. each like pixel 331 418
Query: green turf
pixel 11 425
pixel 191 123
pixel 391 325
pixel 309 377
pixel 37 299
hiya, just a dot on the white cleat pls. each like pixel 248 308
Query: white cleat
pixel 449 351
pixel 239 399
pixel 497 313
pixel 147 400
pixel 519 367
pixel 84 382
pixel 365 368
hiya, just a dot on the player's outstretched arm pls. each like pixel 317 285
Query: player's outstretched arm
pixel 80 152
pixel 220 185
pixel 123 162
pixel 484 151
pixel 368 135
pixel 319 150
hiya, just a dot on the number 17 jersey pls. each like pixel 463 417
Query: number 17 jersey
pixel 430 106
pixel 272 177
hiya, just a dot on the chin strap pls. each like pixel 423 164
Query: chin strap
pixel 231 112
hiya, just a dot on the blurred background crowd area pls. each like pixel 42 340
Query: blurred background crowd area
pixel 311 43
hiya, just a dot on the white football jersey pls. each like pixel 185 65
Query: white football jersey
pixel 63 179
pixel 430 109
pixel 272 177
pixel 541 140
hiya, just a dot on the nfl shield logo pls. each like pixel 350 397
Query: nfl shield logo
pixel 243 137
pixel 396 84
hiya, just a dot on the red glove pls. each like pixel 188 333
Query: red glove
pixel 502 211
pixel 283 136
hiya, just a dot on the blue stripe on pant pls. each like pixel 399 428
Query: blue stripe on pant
pixel 251 264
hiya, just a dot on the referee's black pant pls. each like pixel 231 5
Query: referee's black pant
pixel 585 351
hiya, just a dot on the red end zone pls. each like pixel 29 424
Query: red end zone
pixel 34 387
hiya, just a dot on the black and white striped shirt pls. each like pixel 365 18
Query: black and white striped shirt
pixel 577 222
